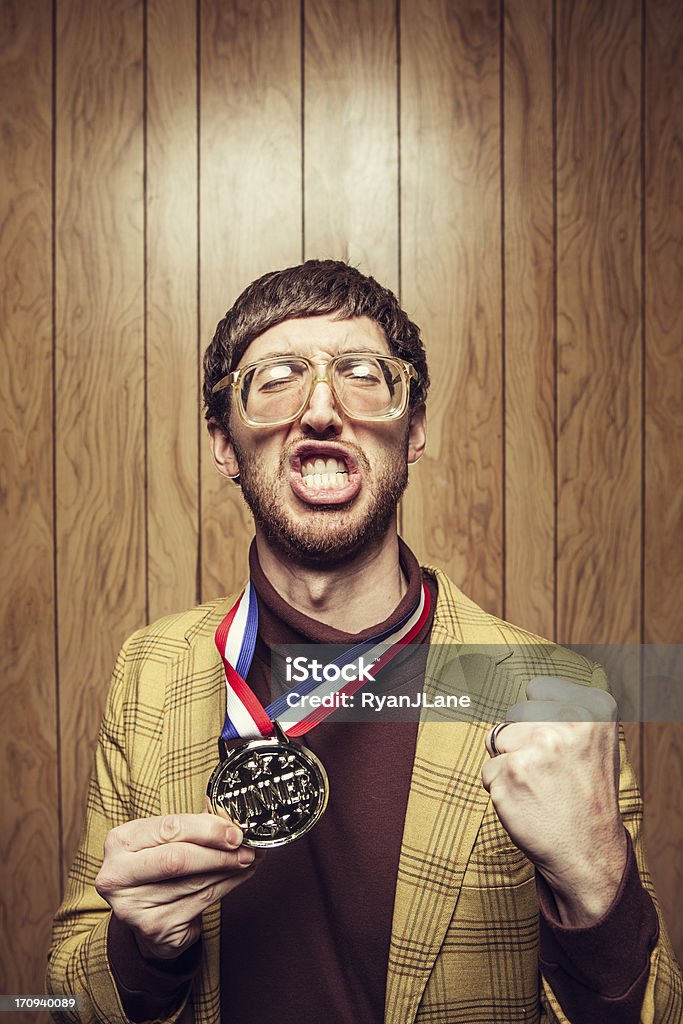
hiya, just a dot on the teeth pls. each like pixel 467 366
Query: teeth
pixel 324 472
pixel 322 480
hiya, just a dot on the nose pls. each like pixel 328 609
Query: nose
pixel 322 414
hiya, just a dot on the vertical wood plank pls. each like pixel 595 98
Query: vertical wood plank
pixel 663 562
pixel 250 197
pixel 451 282
pixel 29 799
pixel 172 314
pixel 599 323
pixel 99 367
pixel 529 316
pixel 351 135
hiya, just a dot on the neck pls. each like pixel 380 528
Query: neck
pixel 362 591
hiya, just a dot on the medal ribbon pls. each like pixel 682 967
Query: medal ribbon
pixel 246 718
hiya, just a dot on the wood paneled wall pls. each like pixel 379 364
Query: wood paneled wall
pixel 513 168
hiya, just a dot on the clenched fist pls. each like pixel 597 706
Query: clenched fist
pixel 159 874
pixel 554 784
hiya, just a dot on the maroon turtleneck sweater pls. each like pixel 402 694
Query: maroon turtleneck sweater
pixel 314 923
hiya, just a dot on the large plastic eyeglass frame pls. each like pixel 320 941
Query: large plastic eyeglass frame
pixel 319 374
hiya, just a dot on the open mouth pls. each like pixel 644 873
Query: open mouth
pixel 324 474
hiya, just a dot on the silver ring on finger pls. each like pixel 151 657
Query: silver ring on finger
pixel 494 734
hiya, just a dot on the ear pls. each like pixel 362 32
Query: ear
pixel 223 451
pixel 417 434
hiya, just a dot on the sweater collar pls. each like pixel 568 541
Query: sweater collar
pixel 279 620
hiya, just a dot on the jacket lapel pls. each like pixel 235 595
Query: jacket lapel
pixel 446 801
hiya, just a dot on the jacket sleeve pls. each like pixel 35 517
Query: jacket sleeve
pixel 77 960
pixel 663 998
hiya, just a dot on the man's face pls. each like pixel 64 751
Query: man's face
pixel 360 469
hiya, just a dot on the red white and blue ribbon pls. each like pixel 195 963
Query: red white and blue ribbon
pixel 246 718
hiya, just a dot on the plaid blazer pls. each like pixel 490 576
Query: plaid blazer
pixel 464 941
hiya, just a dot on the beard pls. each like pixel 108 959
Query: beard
pixel 325 534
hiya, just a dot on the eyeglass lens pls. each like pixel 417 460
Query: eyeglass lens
pixel 366 386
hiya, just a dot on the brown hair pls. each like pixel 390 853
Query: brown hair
pixel 314 288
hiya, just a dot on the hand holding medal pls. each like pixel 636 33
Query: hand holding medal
pixel 160 874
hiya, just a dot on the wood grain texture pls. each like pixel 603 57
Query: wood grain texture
pixel 172 315
pixel 99 367
pixel 351 135
pixel 451 283
pixel 599 323
pixel 529 315
pixel 663 744
pixel 664 323
pixel 29 799
pixel 250 207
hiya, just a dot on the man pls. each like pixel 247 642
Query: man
pixel 415 897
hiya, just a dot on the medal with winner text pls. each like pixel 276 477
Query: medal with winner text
pixel 272 787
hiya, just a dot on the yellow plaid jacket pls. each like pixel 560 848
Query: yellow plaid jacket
pixel 464 942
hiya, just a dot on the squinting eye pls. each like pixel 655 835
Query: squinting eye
pixel 362 374
pixel 280 372
pixel 277 377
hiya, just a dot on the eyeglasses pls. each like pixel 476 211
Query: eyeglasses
pixel 367 386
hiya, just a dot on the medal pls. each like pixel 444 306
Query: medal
pixel 273 788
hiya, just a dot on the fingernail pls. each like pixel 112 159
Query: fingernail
pixel 233 836
pixel 245 856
